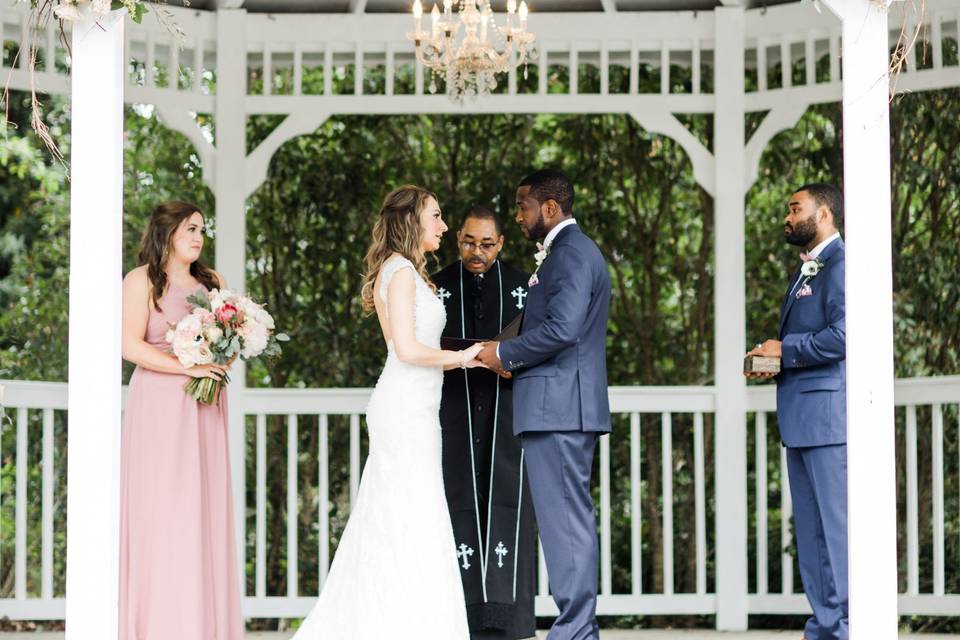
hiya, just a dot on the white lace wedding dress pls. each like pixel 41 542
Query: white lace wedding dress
pixel 395 575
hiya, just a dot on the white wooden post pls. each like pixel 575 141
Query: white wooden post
pixel 730 321
pixel 870 415
pixel 96 219
pixel 231 151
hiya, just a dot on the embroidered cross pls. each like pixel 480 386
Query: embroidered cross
pixel 500 551
pixel 519 294
pixel 443 294
pixel 463 553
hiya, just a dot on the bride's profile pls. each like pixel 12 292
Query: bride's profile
pixel 395 573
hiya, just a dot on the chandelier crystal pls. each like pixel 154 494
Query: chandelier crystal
pixel 470 61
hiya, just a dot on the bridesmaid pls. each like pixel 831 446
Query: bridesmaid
pixel 178 575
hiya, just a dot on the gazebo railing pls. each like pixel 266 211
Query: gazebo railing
pixel 32 442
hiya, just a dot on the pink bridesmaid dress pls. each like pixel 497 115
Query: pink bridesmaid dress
pixel 178 574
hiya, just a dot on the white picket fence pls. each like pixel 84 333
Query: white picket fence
pixel 36 413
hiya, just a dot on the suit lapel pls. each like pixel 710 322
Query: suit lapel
pixel 825 256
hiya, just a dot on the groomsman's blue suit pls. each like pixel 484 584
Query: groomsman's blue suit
pixel 561 405
pixel 812 414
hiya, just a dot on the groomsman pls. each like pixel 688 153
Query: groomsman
pixel 811 403
pixel 487 494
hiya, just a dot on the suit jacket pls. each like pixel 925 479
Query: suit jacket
pixel 812 384
pixel 559 359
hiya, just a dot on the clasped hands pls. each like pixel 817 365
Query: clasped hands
pixel 768 349
pixel 484 354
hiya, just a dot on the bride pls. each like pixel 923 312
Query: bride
pixel 395 574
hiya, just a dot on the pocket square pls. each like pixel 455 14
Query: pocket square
pixel 534 280
pixel 804 291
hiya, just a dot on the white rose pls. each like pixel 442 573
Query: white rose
pixel 68 12
pixel 204 355
pixel 265 319
pixel 101 7
pixel 213 335
pixel 255 341
pixel 810 268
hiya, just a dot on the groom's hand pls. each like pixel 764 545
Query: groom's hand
pixel 488 356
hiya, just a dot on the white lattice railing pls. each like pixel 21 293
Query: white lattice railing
pixel 659 415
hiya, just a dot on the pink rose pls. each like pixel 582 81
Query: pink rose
pixel 226 313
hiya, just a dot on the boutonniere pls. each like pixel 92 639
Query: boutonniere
pixel 539 257
pixel 811 267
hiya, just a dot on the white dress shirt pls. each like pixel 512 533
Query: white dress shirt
pixel 813 253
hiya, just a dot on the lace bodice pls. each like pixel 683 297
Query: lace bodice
pixel 430 316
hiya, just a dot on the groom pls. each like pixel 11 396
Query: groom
pixel 561 405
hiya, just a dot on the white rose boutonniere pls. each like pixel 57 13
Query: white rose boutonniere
pixel 811 268
pixel 539 257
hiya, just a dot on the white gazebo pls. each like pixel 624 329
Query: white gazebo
pixel 727 39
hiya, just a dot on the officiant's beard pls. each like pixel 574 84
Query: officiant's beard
pixel 802 234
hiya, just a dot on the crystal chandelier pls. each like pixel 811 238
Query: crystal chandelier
pixel 469 62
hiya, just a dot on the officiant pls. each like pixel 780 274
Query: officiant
pixel 488 497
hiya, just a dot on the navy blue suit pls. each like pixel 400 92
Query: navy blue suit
pixel 561 404
pixel 812 415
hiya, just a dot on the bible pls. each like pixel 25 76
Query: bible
pixel 451 343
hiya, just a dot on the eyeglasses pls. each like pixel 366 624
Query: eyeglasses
pixel 484 246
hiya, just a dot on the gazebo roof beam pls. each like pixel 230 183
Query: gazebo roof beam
pixel 227 4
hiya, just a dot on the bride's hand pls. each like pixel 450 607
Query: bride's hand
pixel 468 356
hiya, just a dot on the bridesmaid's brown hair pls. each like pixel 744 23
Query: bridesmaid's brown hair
pixel 155 248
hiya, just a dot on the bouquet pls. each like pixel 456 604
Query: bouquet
pixel 221 326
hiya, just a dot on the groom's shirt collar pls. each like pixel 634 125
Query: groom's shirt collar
pixel 556 230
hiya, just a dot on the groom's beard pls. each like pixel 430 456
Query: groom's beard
pixel 802 234
pixel 538 231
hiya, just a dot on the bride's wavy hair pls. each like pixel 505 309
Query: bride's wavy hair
pixel 155 247
pixel 397 230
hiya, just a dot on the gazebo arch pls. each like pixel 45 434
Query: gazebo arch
pixel 726 42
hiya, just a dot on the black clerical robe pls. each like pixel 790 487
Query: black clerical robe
pixel 490 507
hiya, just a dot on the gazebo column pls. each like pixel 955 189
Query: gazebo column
pixel 730 321
pixel 231 149
pixel 96 241
pixel 869 321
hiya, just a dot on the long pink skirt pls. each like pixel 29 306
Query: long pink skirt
pixel 178 575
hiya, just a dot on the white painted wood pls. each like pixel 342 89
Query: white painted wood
pixel 634 68
pixel 913 553
pixel 51 49
pixel 20 513
pixel 358 71
pixel 267 70
pixel 297 69
pixel 696 71
pixel 700 503
pixel 604 69
pixel 936 456
pixel 786 536
pixel 354 458
pixel 936 39
pixel 810 60
pixel 542 71
pixel 198 66
pixel 760 465
pixel 786 72
pixel 323 489
pixel 762 65
pixel 150 76
pixel 869 321
pixel 636 514
pixel 260 584
pixel 258 162
pixel 730 322
pixel 606 554
pixel 664 69
pixel 784 116
pixel 390 69
pixel 96 221
pixel 293 508
pixel 46 544
pixel 666 461
pixel 328 70
pixel 231 235
pixel 834 56
pixel 664 122
pixel 574 74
